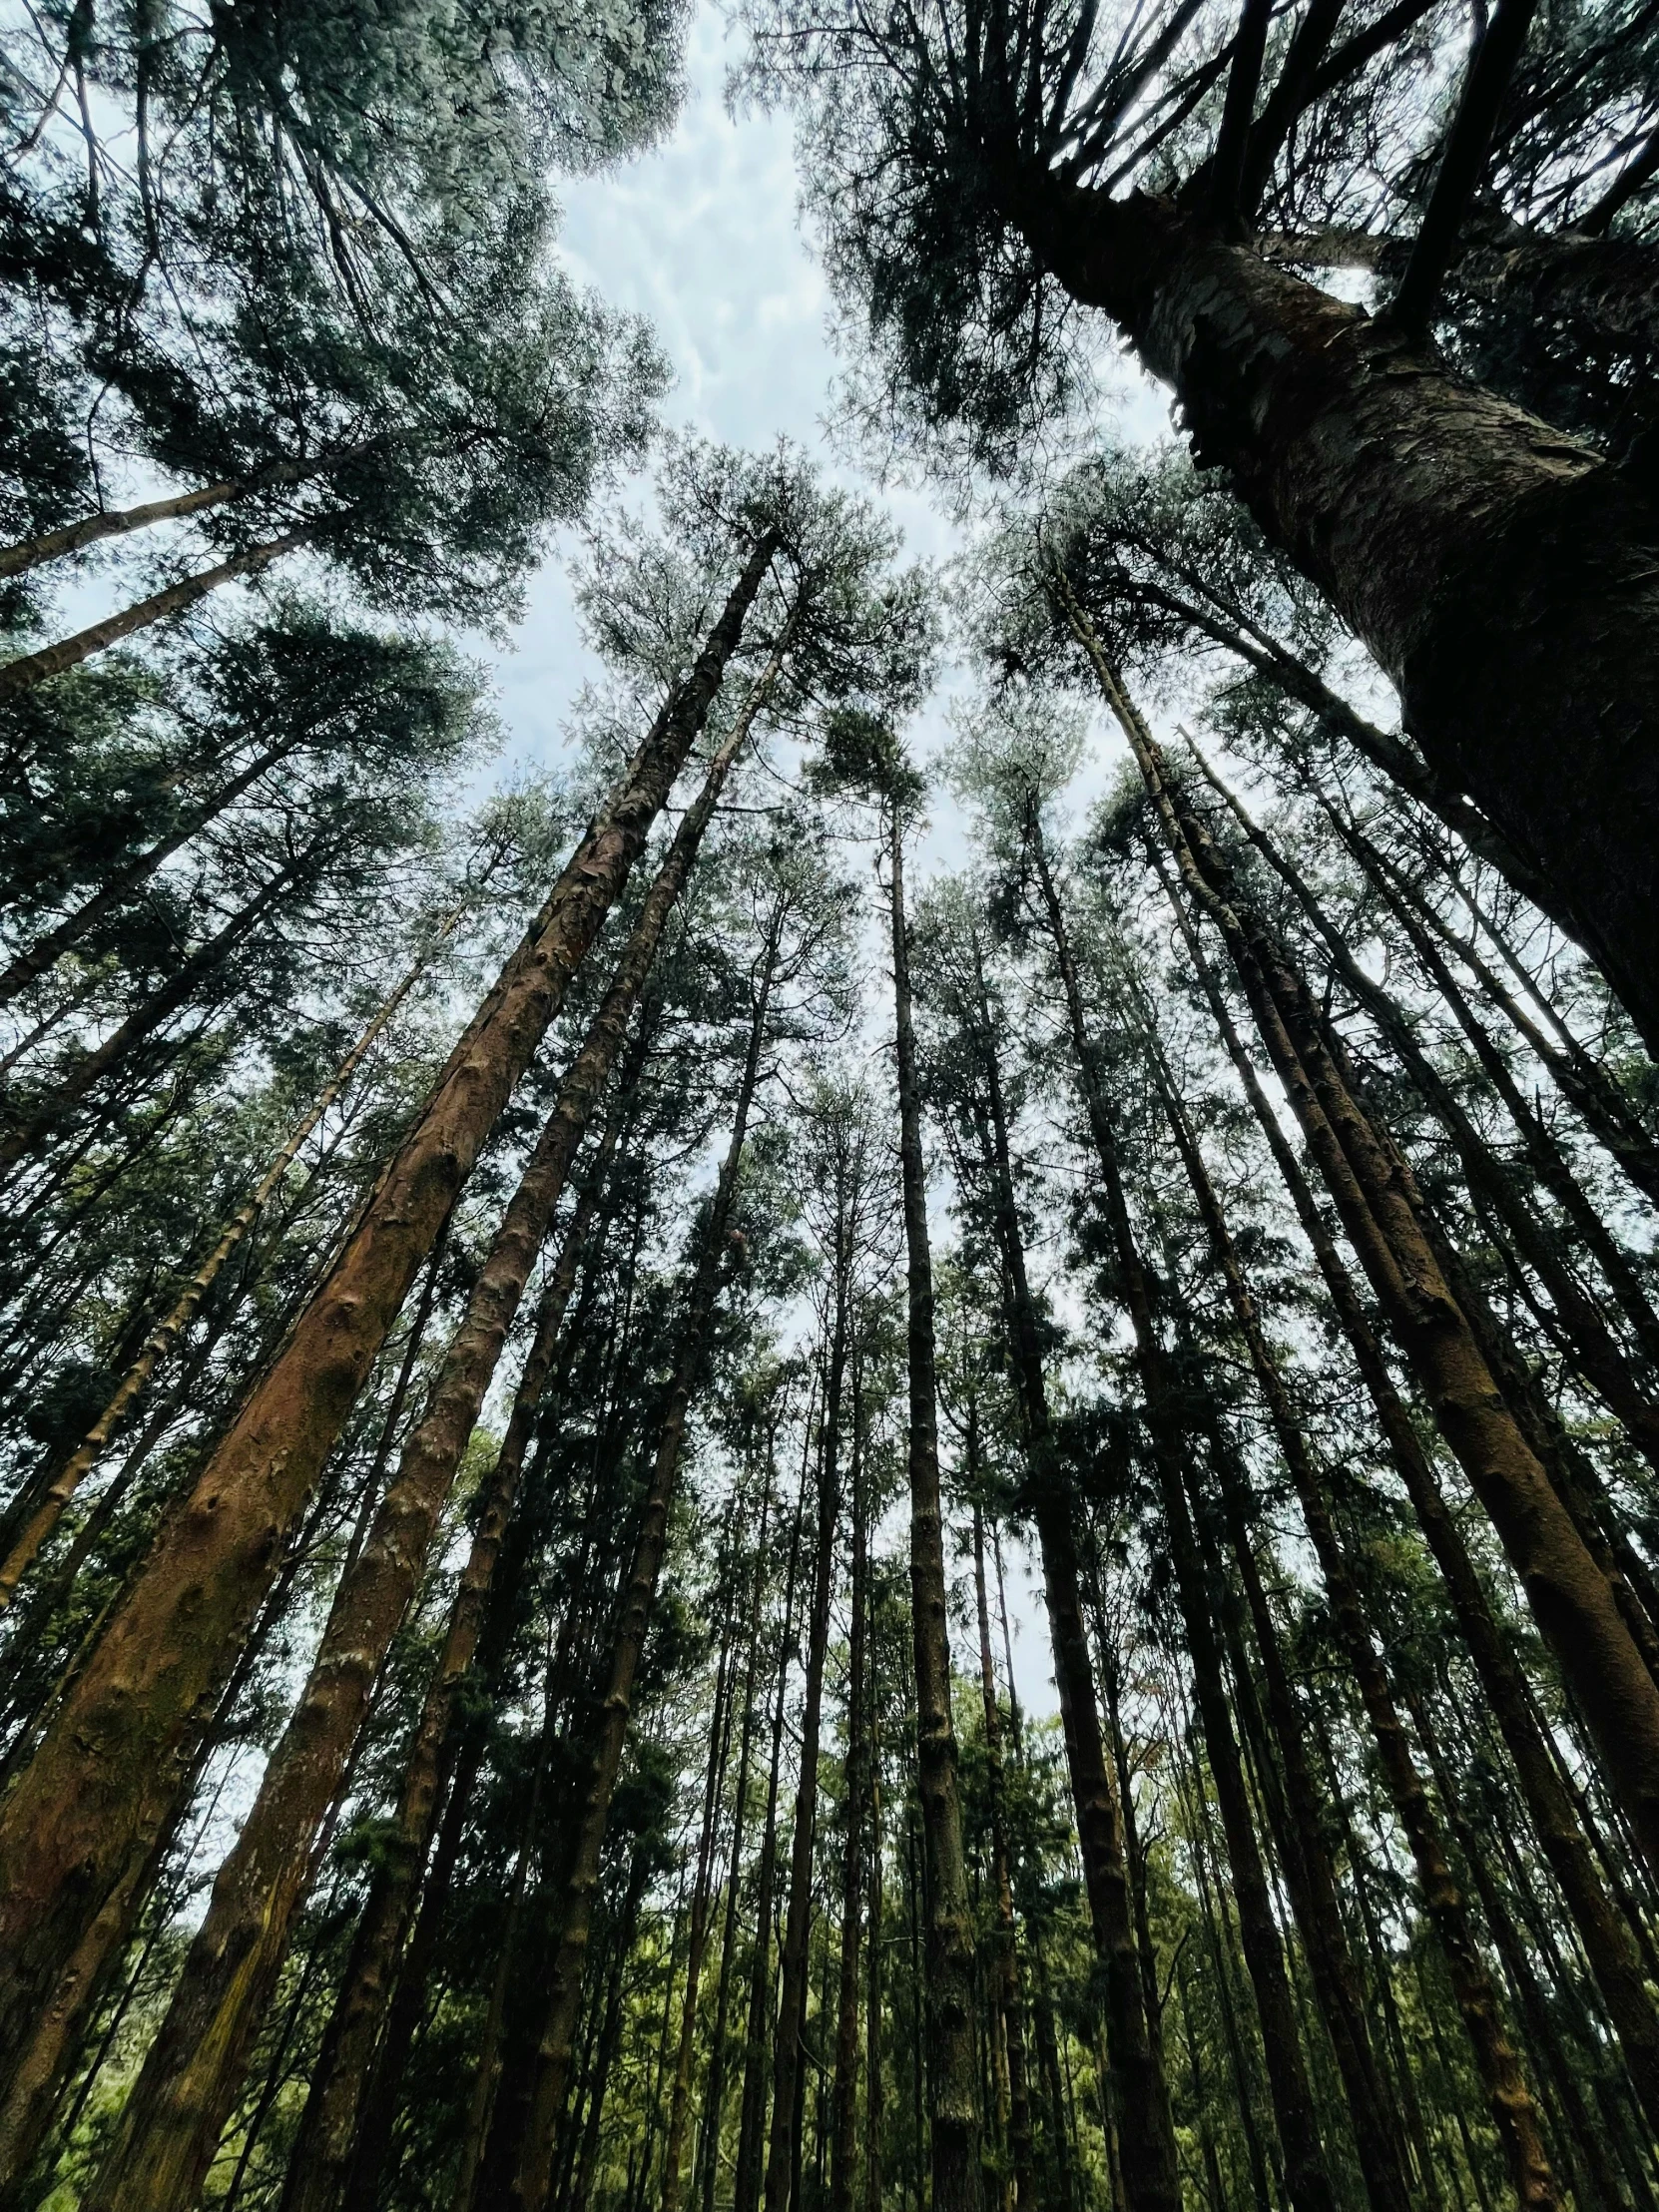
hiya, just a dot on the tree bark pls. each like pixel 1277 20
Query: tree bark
pixel 954 2062
pixel 1503 575
pixel 845 2103
pixel 79 1822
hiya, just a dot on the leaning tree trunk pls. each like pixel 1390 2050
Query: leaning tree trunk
pixel 953 2071
pixel 78 1823
pixel 533 2172
pixel 1514 2114
pixel 1503 575
pixel 147 1017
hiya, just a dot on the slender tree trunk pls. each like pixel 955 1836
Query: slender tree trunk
pixel 1010 1993
pixel 30 669
pixel 952 2068
pixel 1574 1605
pixel 719 1738
pixel 610 2034
pixel 714 2095
pixel 145 1018
pixel 79 1822
pixel 747 2182
pixel 874 1987
pixel 534 2168
pixel 1507 581
pixel 123 885
pixel 845 2103
pixel 164 1335
pixel 787 2076
pixel 172 2120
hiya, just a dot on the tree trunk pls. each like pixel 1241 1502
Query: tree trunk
pixel 1504 577
pixel 787 2073
pixel 719 1738
pixel 1571 1599
pixel 845 2147
pixel 30 669
pixel 714 2095
pixel 79 1822
pixel 530 2181
pixel 1010 1993
pixel 145 1018
pixel 119 888
pixel 747 2182
pixel 121 523
pixel 953 2065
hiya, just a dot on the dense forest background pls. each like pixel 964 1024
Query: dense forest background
pixel 888 1438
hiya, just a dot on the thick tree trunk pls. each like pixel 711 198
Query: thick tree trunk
pixel 953 2067
pixel 30 669
pixel 534 2169
pixel 80 1821
pixel 1574 1604
pixel 1503 574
